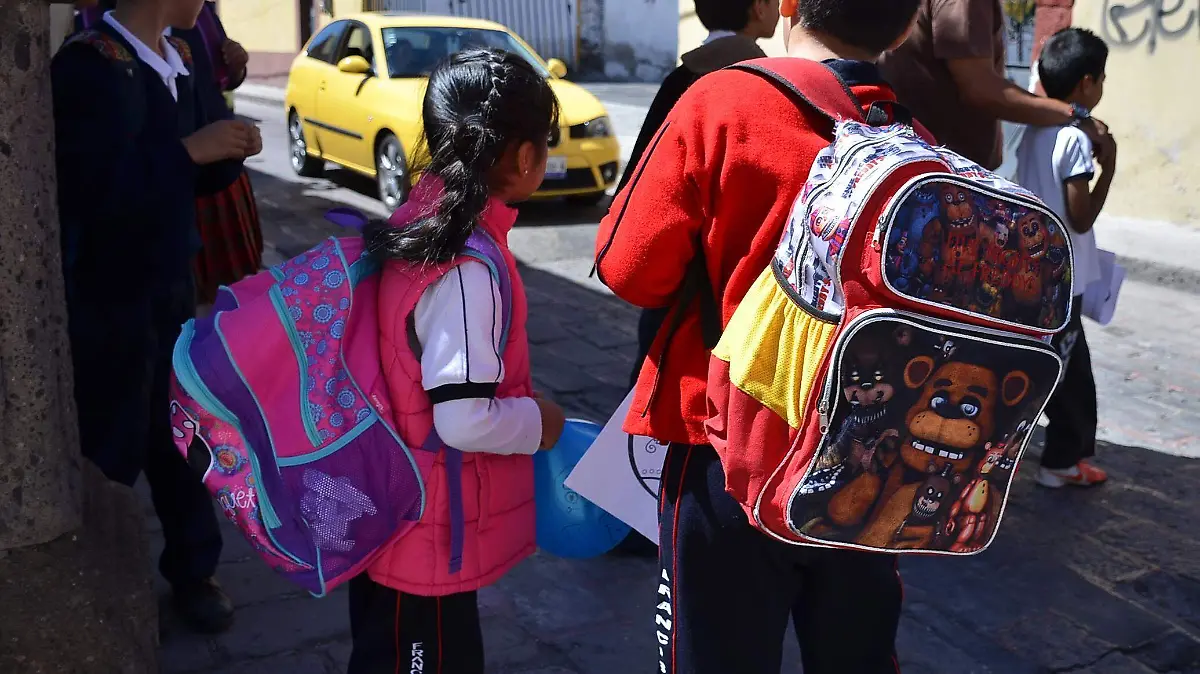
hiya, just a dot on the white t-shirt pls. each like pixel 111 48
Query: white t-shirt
pixel 1048 157
pixel 459 327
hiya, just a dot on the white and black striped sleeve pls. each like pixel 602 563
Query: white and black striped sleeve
pixel 459 325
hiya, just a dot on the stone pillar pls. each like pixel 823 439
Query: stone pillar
pixel 39 474
pixel 72 598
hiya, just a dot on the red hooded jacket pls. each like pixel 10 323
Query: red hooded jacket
pixel 723 173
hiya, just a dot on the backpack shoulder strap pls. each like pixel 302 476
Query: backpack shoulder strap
pixel 484 248
pixel 810 84
pixel 816 86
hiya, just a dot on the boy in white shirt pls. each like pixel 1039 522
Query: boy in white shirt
pixel 1056 163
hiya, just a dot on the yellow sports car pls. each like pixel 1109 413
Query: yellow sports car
pixel 354 98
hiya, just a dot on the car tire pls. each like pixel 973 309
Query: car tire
pixel 303 163
pixel 587 200
pixel 391 171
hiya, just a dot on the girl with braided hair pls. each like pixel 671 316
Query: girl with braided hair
pixel 488 118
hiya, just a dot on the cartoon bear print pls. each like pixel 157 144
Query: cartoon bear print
pixel 996 264
pixel 865 443
pixel 934 496
pixel 955 236
pixel 1029 276
pixel 947 425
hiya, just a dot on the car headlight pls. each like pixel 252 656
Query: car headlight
pixel 600 127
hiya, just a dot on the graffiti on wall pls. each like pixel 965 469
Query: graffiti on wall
pixel 1129 24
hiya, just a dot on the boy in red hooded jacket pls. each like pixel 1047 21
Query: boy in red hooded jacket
pixel 718 181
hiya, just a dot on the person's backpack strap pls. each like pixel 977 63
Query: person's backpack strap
pixel 483 248
pixel 810 84
pixel 212 36
pixel 824 92
pixel 816 86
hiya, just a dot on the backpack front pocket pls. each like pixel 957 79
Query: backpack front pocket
pixel 993 256
pixel 926 421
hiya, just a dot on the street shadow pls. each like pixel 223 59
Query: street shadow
pixel 557 212
pixel 582 343
pixel 1117 564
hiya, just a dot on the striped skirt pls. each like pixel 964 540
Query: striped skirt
pixel 233 243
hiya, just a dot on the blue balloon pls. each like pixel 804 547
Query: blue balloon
pixel 568 525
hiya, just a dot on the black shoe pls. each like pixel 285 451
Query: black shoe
pixel 204 606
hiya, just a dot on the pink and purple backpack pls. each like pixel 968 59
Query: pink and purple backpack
pixel 280 404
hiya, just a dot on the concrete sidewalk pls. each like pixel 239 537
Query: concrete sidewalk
pixel 1158 253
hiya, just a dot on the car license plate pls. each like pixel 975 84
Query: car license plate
pixel 556 168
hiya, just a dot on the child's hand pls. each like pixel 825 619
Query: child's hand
pixel 1108 158
pixel 226 139
pixel 553 420
pixel 255 145
pixel 1096 131
pixel 235 56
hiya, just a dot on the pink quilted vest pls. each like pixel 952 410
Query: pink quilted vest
pixel 497 491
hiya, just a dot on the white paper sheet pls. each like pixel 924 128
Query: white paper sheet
pixel 1100 297
pixel 620 473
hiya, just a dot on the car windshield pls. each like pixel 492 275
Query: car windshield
pixel 414 51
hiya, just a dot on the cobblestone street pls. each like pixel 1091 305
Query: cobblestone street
pixel 1100 581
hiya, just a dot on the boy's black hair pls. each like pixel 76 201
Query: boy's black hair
pixel 731 15
pixel 478 103
pixel 872 25
pixel 1069 56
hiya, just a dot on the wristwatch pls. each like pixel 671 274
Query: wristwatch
pixel 1079 114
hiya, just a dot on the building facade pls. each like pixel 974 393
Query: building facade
pixel 618 40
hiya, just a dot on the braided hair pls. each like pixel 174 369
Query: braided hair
pixel 479 103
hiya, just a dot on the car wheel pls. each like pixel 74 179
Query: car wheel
pixel 586 200
pixel 302 163
pixel 391 172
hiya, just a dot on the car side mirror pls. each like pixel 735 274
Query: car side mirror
pixel 354 65
pixel 557 68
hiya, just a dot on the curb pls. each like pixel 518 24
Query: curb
pixel 259 98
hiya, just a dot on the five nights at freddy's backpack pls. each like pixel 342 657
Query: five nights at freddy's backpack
pixel 279 403
pixel 877 385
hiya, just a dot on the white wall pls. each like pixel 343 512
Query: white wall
pixel 641 39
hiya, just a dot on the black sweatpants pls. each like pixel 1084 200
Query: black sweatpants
pixel 726 590
pixel 122 360
pixel 1071 412
pixel 397 632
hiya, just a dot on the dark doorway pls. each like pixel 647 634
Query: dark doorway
pixel 307 20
